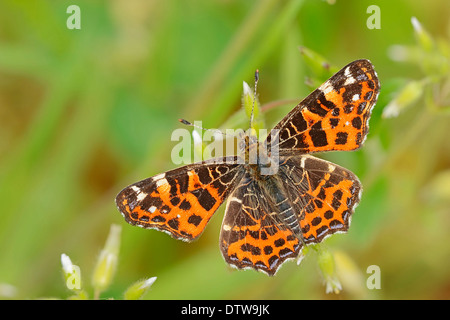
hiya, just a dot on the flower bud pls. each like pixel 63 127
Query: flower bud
pixel 327 267
pixel 422 36
pixel 138 289
pixel 409 94
pixel 72 273
pixel 107 260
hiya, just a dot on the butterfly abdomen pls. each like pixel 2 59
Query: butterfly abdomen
pixel 282 207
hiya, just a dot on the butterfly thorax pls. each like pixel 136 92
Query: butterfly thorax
pixel 262 167
pixel 257 158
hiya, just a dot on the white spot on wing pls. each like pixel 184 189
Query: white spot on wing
pixel 141 196
pixel 349 76
pixel 347 72
pixel 236 199
pixel 160 182
pixel 302 162
pixel 159 176
pixel 327 87
pixel 350 80
pixel 331 167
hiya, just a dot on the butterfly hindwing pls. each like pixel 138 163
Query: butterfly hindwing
pixel 323 194
pixel 252 234
pixel 181 201
pixel 334 116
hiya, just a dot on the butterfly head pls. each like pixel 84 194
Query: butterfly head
pixel 256 156
pixel 248 141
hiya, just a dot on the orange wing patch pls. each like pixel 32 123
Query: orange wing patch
pixel 264 248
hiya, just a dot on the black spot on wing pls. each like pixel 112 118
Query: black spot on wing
pixel 318 136
pixel 205 199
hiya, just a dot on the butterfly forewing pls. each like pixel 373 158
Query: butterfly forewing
pixel 334 116
pixel 180 202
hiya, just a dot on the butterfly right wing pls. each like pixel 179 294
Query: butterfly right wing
pixel 181 201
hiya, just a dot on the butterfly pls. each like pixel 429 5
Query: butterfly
pixel 269 218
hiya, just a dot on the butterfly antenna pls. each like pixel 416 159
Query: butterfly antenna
pixel 254 97
pixel 188 123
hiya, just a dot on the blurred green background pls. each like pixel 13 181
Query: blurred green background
pixel 83 113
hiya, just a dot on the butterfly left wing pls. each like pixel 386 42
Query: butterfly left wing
pixel 180 202
pixel 335 116
pixel 252 235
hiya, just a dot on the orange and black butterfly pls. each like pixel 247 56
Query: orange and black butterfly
pixel 269 217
